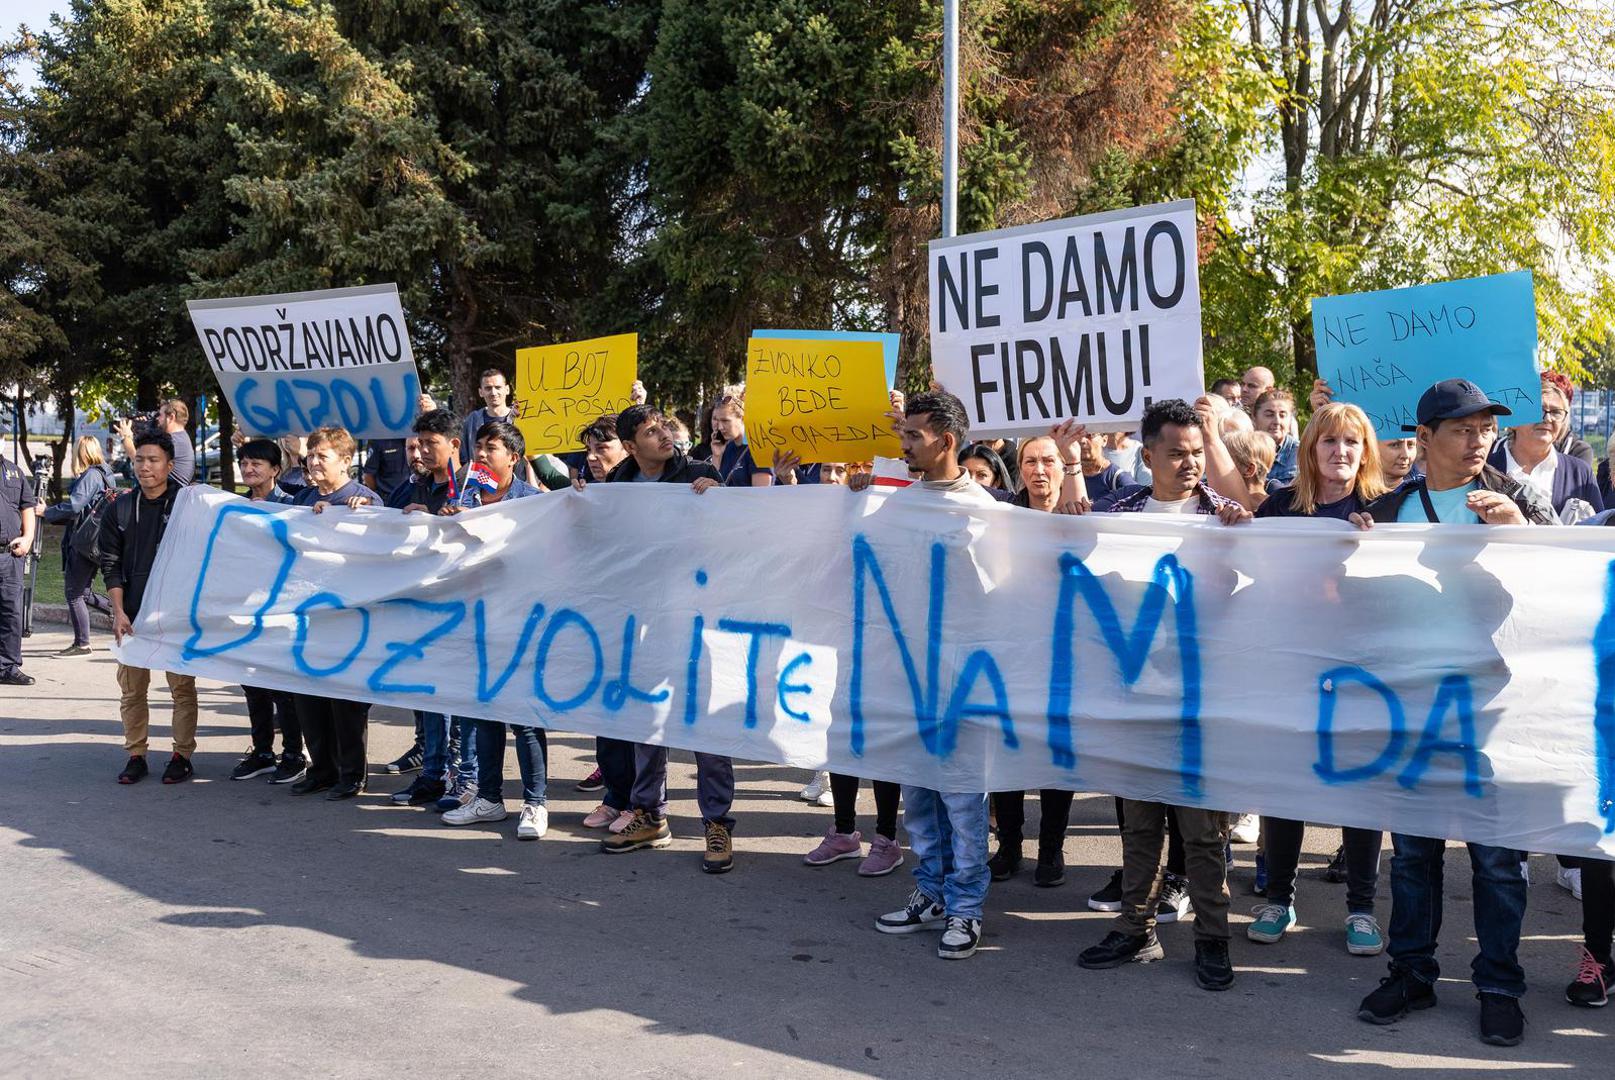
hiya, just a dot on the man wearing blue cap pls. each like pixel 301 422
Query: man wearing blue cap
pixel 1456 429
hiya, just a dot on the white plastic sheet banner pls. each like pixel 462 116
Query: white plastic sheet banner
pixel 1448 681
pixel 1088 318
pixel 293 362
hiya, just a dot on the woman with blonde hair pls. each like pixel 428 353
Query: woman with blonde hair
pixel 92 477
pixel 1337 474
pixel 1253 453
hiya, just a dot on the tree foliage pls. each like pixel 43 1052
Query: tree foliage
pixel 539 170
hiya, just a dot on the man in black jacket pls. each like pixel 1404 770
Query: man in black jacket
pixel 1457 425
pixel 654 459
pixel 1457 428
pixel 130 535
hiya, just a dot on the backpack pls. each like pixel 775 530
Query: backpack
pixel 85 539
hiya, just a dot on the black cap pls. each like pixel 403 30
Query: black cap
pixel 1450 399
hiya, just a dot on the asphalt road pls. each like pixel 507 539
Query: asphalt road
pixel 228 929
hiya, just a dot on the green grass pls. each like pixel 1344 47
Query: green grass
pixel 49 585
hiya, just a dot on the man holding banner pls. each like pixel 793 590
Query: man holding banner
pixel 947 831
pixel 1457 425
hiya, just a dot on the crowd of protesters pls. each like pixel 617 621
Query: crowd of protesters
pixel 1233 454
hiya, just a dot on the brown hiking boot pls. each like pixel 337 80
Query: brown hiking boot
pixel 645 830
pixel 719 858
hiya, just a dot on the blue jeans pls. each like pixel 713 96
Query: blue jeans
pixel 947 833
pixel 1499 890
pixel 464 729
pixel 432 730
pixel 532 750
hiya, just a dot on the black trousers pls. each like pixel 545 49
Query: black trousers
pixel 1597 903
pixel 10 612
pixel 616 760
pixel 337 733
pixel 1281 844
pixel 268 710
pixel 844 790
pixel 1010 809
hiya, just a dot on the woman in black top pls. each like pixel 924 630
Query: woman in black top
pixel 1337 474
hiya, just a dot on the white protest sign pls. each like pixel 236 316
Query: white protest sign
pixel 1089 318
pixel 293 362
pixel 1426 679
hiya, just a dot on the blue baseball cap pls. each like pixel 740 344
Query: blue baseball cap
pixel 1450 399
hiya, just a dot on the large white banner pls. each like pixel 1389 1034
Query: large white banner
pixel 1446 681
pixel 294 362
pixel 1089 318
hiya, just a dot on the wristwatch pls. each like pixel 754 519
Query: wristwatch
pixel 1072 468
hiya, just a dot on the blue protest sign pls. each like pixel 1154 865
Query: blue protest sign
pixel 888 343
pixel 1381 350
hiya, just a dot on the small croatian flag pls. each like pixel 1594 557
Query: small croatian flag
pixel 481 477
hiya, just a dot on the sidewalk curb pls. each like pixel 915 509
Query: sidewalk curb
pixel 56 615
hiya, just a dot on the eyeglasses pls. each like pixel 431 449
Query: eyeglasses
pixel 1554 414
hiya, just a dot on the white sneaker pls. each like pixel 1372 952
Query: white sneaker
pixel 1247 830
pixel 479 809
pixel 533 823
pixel 1569 879
pixel 818 790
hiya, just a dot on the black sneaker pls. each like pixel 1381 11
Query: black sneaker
pixel 135 771
pixel 1110 897
pixel 1005 861
pixel 593 782
pixel 1335 872
pixel 1399 993
pixel 1049 873
pixel 1118 948
pixel 1174 899
pixel 311 784
pixel 254 764
pixel 1501 1021
pixel 421 791
pixel 959 938
pixel 1213 970
pixel 920 912
pixel 289 769
pixel 1590 989
pixel 408 763
pixel 179 768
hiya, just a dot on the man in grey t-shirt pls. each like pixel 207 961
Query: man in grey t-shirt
pixel 171 418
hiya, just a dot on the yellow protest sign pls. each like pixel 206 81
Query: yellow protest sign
pixel 824 400
pixel 561 389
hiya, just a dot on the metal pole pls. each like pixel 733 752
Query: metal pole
pixel 950 117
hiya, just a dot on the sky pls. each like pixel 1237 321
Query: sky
pixel 34 14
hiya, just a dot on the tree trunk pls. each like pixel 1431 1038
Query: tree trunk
pixel 146 390
pixel 65 407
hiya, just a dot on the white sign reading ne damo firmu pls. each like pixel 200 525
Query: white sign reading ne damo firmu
pixel 1089 318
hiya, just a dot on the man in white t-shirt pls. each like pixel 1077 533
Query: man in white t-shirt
pixel 947 831
pixel 1175 451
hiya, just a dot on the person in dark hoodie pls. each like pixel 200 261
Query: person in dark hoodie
pixel 130 534
pixel 653 458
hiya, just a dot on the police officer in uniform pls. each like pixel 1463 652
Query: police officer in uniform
pixel 17 501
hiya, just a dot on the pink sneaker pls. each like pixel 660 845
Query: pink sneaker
pixel 834 847
pixel 624 819
pixel 884 857
pixel 600 817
